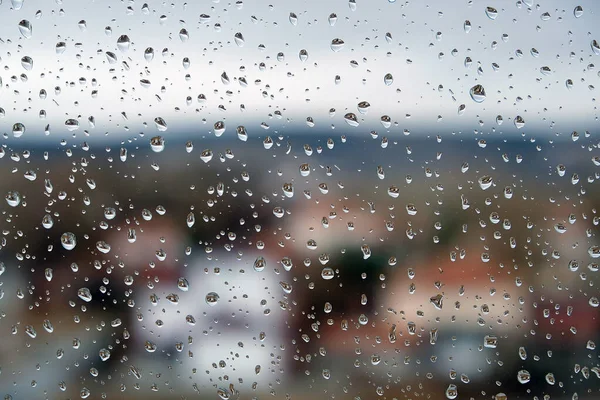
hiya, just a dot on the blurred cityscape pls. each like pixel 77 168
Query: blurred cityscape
pixel 328 266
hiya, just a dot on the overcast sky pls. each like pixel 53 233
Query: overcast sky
pixel 299 89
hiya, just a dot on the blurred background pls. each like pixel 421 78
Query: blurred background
pixel 165 236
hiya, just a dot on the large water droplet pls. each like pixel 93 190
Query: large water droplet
pixel 293 19
pixel 351 119
pixel 123 43
pixel 239 39
pixel 332 19
pixel 68 240
pixel 25 28
pixel 523 376
pixel 467 26
pixel 491 12
pixel 27 63
pixel 388 79
pixel 212 298
pixel 71 124
pixel 477 93
pixel 337 45
pixel 84 294
pixel 595 47
pixel 18 129
pixel 260 264
pixel 303 55
pixel 149 54
pixel 157 144
pixel 13 198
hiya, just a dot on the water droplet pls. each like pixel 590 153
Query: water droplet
pixel 212 298
pixel 491 12
pixel 30 330
pixel 351 119
pixel 569 83
pixel 303 55
pixel 150 347
pixel 327 273
pixel 241 133
pixel 149 54
pixel 363 107
pixel 27 63
pixel 477 93
pixel 183 284
pixel 467 26
pixel 388 79
pixel 485 182
pixel 519 122
pixel 394 192
pixel 451 392
pixel 219 128
pixel 239 39
pixel 18 129
pixel 437 301
pixel 332 19
pixel 160 123
pixel 17 4
pixel 578 12
pixel 260 264
pixel 47 221
pixel 104 354
pixel 123 43
pixel 184 35
pixel 523 376
pixel 84 294
pixel 71 124
pixel 111 57
pixel 594 251
pixel 206 155
pixel 157 144
pixel 103 247
pixel 386 121
pixel 60 47
pixel 25 28
pixel 293 19
pixel 490 342
pixel 68 240
pixel 522 353
pixel 337 45
pixel 595 47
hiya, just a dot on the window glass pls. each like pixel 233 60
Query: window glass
pixel 342 199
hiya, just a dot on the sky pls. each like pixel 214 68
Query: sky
pixel 424 97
